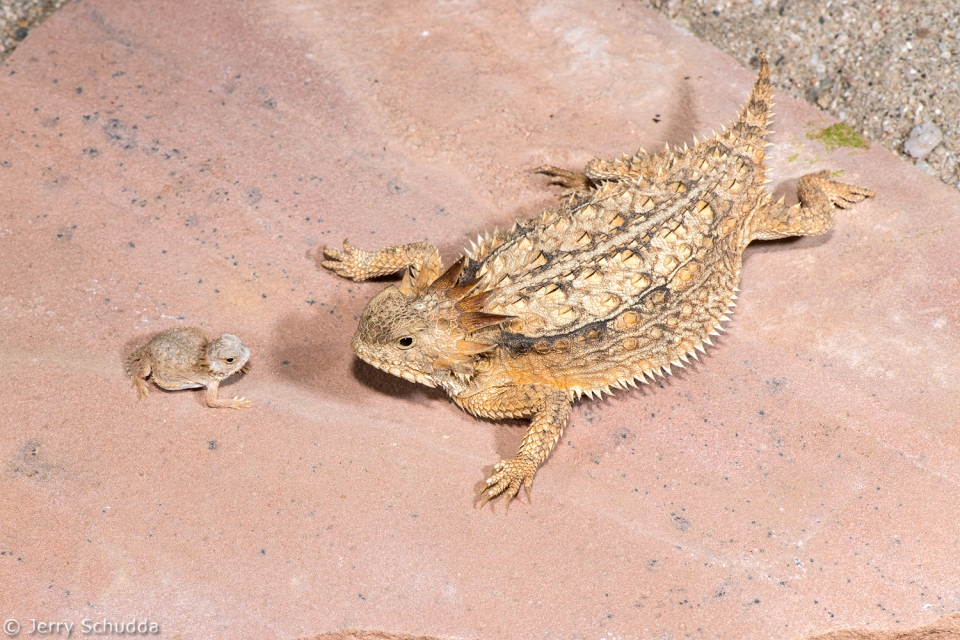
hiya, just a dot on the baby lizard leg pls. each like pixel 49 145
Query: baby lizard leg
pixel 213 401
pixel 138 368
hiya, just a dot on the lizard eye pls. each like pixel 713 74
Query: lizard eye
pixel 229 360
pixel 405 342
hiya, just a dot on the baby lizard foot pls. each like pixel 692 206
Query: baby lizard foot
pixel 222 403
pixel 240 403
pixel 507 477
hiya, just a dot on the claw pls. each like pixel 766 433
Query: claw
pixel 572 181
pixel 346 263
pixel 508 476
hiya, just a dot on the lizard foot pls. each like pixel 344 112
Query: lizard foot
pixel 571 181
pixel 507 477
pixel 349 263
pixel 842 195
pixel 240 403
pixel 236 403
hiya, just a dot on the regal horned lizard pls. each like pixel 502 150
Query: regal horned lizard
pixel 185 358
pixel 631 275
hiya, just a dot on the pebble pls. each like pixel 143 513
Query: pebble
pixel 923 139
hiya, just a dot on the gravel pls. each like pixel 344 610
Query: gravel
pixel 17 17
pixel 889 70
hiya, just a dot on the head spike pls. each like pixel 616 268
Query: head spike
pixel 473 303
pixel 469 348
pixel 449 277
pixel 477 320
pixel 407 284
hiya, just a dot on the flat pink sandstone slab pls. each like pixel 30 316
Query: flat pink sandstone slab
pixel 169 162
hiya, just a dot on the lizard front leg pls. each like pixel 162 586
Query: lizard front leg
pixel 421 258
pixel 549 408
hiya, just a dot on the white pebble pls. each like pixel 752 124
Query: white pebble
pixel 923 139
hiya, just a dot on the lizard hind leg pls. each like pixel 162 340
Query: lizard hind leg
pixel 571 181
pixel 813 215
pixel 596 171
pixel 138 368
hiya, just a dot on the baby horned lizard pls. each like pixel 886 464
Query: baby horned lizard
pixel 631 275
pixel 184 358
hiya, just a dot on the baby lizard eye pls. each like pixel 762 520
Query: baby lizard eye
pixel 405 342
pixel 230 360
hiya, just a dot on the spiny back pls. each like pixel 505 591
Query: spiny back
pixel 635 240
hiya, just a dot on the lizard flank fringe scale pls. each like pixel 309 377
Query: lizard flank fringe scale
pixel 630 276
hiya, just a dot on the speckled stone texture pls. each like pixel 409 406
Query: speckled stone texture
pixel 174 162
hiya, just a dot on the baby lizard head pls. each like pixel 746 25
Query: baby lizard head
pixel 226 355
pixel 427 333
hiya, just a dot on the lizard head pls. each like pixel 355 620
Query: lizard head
pixel 226 355
pixel 426 333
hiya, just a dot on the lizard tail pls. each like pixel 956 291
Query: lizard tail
pixel 756 113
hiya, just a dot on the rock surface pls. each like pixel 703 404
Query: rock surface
pixel 167 163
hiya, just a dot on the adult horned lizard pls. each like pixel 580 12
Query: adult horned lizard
pixel 631 275
pixel 185 358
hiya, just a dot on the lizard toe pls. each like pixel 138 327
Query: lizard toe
pixel 508 476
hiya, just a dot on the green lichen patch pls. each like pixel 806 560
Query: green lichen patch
pixel 839 135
